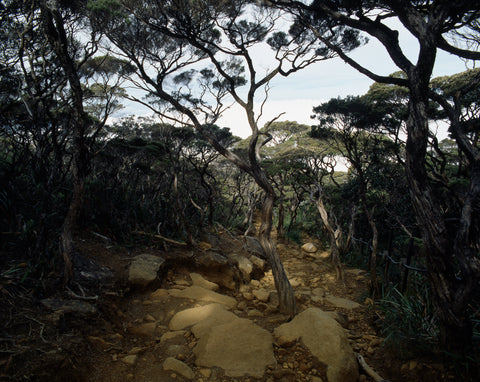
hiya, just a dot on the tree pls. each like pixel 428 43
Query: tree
pixel 53 96
pixel 354 127
pixel 453 268
pixel 173 37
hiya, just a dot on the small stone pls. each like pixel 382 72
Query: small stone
pixel 130 360
pixel 295 283
pixel 178 367
pixel 116 337
pixel 181 281
pixel 99 343
pixel 248 296
pixel 137 350
pixel 318 292
pixel 145 330
pixel 205 372
pixel 171 335
pixel 261 294
pixel 254 313
pixel 149 318
pixel 204 246
pixel 159 294
pixel 175 350
pixel 199 280
pixel 340 302
pixel 309 248
pixel 285 341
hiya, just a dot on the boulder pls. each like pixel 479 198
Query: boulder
pixel 234 344
pixel 240 347
pixel 326 340
pixel 144 269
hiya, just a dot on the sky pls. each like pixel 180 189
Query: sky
pixel 296 95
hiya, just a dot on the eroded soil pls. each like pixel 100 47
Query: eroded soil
pixel 122 341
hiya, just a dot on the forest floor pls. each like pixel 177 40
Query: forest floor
pixel 122 339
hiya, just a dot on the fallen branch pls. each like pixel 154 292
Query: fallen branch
pixel 42 327
pixel 363 364
pixel 101 236
pixel 159 237
pixel 82 298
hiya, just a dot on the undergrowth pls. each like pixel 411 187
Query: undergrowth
pixel 408 322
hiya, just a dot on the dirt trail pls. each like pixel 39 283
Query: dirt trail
pixel 128 340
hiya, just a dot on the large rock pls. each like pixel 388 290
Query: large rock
pixel 211 314
pixel 144 269
pixel 240 347
pixel 201 294
pixel 234 344
pixel 326 340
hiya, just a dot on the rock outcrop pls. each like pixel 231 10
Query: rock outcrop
pixel 326 340
pixel 237 345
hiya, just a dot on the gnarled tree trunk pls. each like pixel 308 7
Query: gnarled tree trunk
pixel 57 37
pixel 333 238
pixel 451 295
pixel 284 289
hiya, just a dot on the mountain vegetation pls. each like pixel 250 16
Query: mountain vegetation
pixel 369 178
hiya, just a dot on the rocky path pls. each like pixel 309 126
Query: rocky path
pixel 204 325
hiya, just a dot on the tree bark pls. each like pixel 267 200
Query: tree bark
pixel 57 36
pixel 333 239
pixel 455 325
pixel 284 289
pixel 373 254
pixel 281 216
